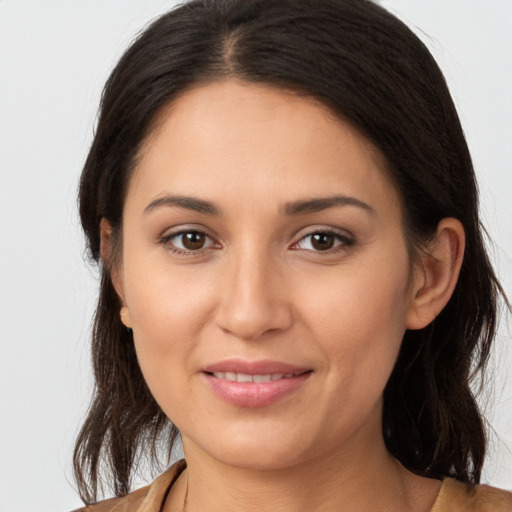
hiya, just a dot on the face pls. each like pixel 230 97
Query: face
pixel 265 274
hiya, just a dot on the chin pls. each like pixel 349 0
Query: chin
pixel 258 458
pixel 258 449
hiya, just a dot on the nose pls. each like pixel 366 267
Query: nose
pixel 253 298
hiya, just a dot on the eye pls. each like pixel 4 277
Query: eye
pixel 188 241
pixel 324 241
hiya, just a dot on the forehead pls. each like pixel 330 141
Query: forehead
pixel 244 138
pixel 237 107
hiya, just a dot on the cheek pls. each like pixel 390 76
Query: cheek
pixel 169 308
pixel 359 317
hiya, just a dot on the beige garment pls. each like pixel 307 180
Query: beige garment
pixel 454 496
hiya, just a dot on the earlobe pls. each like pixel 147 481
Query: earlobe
pixel 125 317
pixel 437 277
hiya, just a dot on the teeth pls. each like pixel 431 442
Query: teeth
pixel 262 378
pixel 245 377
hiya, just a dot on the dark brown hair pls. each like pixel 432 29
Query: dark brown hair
pixel 370 69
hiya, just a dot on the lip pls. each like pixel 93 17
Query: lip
pixel 261 367
pixel 255 394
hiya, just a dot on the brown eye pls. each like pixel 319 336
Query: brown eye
pixel 188 242
pixel 325 241
pixel 322 241
pixel 193 241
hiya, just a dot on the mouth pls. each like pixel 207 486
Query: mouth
pixel 254 384
pixel 247 377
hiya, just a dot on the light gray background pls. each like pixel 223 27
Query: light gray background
pixel 54 57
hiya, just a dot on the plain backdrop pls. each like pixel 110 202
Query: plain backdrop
pixel 54 57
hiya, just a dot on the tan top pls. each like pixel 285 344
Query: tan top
pixel 454 496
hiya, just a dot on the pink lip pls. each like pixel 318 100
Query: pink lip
pixel 254 394
pixel 261 367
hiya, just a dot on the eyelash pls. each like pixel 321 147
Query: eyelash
pixel 346 241
pixel 166 241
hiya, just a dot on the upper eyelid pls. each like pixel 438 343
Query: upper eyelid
pixel 166 239
pixel 184 232
pixel 205 231
pixel 179 230
pixel 347 239
pixel 171 233
pixel 298 237
pixel 319 229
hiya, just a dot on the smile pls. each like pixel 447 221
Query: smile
pixel 251 384
pixel 246 377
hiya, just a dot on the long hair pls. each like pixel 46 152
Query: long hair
pixel 372 71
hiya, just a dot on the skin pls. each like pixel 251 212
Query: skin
pixel 258 288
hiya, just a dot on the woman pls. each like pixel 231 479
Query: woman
pixel 293 273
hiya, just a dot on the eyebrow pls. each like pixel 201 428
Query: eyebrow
pixel 301 207
pixel 189 203
pixel 323 203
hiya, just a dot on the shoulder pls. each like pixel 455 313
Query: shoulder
pixel 130 502
pixel 148 499
pixel 456 496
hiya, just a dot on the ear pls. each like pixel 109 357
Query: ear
pixel 435 278
pixel 107 251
